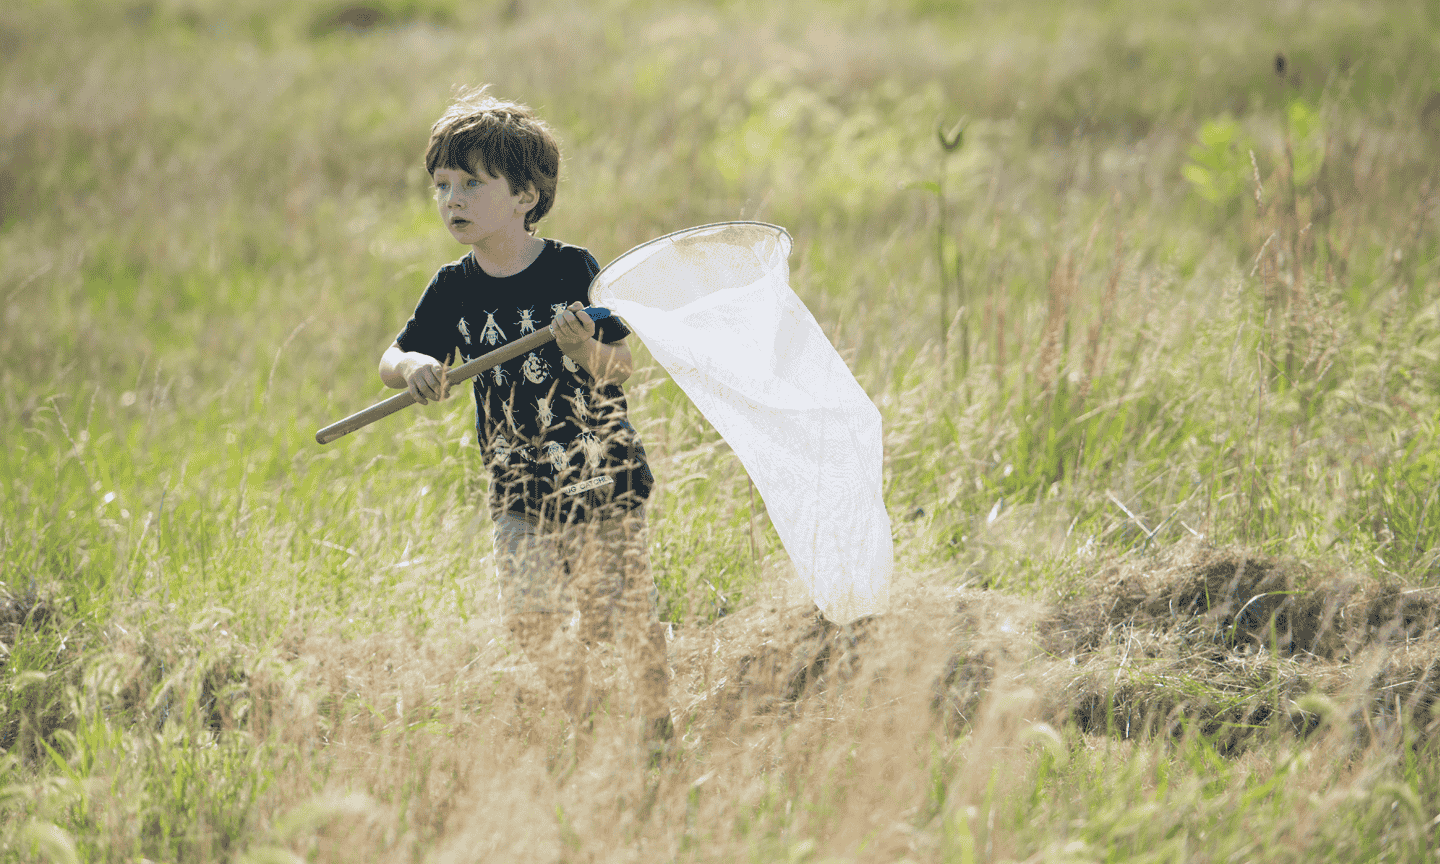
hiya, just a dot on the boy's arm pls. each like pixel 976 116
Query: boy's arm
pixel 607 363
pixel 421 374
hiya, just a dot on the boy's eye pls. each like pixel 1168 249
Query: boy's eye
pixel 472 182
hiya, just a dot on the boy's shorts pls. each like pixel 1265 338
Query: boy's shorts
pixel 600 568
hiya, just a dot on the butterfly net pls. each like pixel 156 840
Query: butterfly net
pixel 714 306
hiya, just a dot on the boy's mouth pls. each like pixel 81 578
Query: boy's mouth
pixel 457 222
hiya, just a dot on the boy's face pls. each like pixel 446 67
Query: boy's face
pixel 478 206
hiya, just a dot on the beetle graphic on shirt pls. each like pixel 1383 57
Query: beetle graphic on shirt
pixel 535 369
pixel 592 448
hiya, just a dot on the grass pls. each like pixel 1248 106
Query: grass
pixel 1163 302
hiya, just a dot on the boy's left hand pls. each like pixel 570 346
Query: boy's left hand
pixel 572 328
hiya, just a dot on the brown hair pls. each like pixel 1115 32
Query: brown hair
pixel 504 139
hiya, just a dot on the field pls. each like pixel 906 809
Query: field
pixel 1147 295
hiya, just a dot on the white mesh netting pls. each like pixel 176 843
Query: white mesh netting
pixel 714 306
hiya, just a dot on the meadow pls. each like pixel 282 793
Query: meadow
pixel 1147 296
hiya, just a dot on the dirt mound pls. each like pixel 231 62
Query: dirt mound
pixel 1235 600
pixel 1214 641
pixel 1230 643
pixel 762 661
pixel 764 664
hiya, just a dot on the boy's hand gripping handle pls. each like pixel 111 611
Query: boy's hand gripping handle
pixel 509 351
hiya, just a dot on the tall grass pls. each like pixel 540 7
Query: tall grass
pixel 1200 305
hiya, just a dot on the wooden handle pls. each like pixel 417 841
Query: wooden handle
pixel 463 372
pixel 365 418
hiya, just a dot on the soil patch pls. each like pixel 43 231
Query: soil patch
pixel 1213 641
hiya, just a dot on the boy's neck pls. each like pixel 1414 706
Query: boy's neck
pixel 507 254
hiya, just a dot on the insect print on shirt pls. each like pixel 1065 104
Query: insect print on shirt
pixel 592 448
pixel 555 452
pixel 535 369
pixel 492 334
pixel 581 409
pixel 543 412
pixel 499 374
pixel 510 412
pixel 556 309
pixel 464 328
pixel 502 450
pixel 527 320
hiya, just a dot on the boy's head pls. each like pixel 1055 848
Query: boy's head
pixel 503 139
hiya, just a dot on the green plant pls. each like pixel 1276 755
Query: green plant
pixel 1219 166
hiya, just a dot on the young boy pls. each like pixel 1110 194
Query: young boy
pixel 568 476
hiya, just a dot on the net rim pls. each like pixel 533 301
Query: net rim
pixel 781 232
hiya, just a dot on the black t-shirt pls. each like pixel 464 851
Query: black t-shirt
pixel 557 446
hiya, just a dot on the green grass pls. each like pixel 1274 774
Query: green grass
pixel 223 640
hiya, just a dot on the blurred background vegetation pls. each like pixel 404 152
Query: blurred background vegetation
pixel 1175 280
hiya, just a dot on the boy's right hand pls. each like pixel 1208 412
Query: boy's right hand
pixel 425 378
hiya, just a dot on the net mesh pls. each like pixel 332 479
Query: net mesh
pixel 714 306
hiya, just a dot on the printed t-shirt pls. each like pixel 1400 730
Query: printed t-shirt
pixel 557 446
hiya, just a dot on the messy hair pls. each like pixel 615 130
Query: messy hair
pixel 504 139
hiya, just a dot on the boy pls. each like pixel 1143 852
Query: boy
pixel 568 477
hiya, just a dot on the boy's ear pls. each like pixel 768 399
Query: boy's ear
pixel 528 198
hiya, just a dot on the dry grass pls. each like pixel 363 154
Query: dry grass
pixel 798 739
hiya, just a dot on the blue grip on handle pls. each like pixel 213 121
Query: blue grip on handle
pixel 596 313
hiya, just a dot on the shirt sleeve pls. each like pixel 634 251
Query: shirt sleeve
pixel 607 330
pixel 431 328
